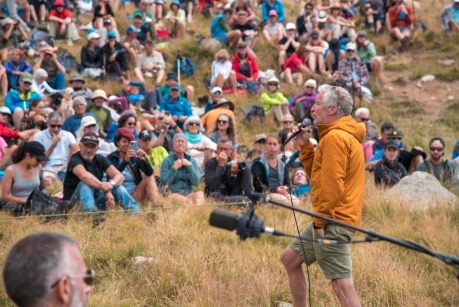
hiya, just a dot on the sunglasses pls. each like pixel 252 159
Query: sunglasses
pixel 193 124
pixel 436 149
pixel 288 122
pixel 269 84
pixel 364 119
pixel 131 124
pixel 5 114
pixel 291 30
pixel 241 47
pixel 397 139
pixel 27 83
pixel 222 121
pixel 55 126
pixel 310 87
pixel 218 93
pixel 222 59
pixel 350 51
pixel 91 126
pixel 315 38
pixel 88 278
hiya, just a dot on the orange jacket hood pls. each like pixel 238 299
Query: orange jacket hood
pixel 346 123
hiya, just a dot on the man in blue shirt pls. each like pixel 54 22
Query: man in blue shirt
pixel 177 105
pixel 73 122
pixel 273 5
pixel 450 16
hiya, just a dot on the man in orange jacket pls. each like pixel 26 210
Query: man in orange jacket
pixel 337 172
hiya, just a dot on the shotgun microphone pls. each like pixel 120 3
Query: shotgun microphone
pixel 306 122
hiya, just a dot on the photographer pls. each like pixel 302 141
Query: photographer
pixel 11 35
pixel 226 177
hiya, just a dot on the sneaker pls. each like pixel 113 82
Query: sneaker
pixel 189 18
pixel 148 74
pixel 70 42
pixel 87 27
pixel 98 219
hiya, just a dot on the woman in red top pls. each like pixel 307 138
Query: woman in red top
pixel 399 21
pixel 295 66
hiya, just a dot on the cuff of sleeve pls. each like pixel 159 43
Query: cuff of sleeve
pixel 308 146
pixel 318 223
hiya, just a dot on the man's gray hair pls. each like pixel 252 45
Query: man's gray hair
pixel 33 264
pixel 225 139
pixel 337 96
pixel 55 115
pixel 362 111
pixel 79 99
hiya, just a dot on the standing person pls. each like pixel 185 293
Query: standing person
pixel 337 172
pixel 367 52
pixel 388 171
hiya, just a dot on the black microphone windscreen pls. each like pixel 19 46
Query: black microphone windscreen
pixel 223 219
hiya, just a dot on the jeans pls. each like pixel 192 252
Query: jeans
pixel 85 194
pixel 59 82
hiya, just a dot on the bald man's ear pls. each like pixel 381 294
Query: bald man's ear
pixel 64 291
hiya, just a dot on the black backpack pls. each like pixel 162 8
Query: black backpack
pixel 69 62
pixel 254 112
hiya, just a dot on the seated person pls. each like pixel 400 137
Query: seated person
pixel 37 117
pixel 103 11
pixel 248 32
pixel 307 21
pixel 89 124
pixel 222 75
pixel 11 35
pixel 245 67
pixel 59 145
pixel 273 31
pixel 289 44
pixel 83 181
pixel 243 6
pixel 445 171
pixel 127 120
pixel 102 115
pixel 200 147
pixel 56 71
pixel 176 20
pixel 73 122
pixel 188 6
pixel 91 57
pixel 61 23
pixel 8 133
pixel 272 5
pixel 220 30
pixel 42 87
pixel 302 102
pixel 378 145
pixel 362 115
pixel 150 63
pixel 180 172
pixel 115 58
pixel 399 22
pixel 13 13
pixel 409 159
pixel 300 182
pixel 177 105
pixel 39 8
pixel 225 127
pixel 338 24
pixel 148 17
pixel 209 120
pixel 132 164
pixel 388 171
pixel 19 99
pixel 223 177
pixel 374 15
pixel 287 126
pixel 259 147
pixel 367 52
pixel 154 155
pixel 274 102
pixel 295 66
pixel 171 78
pixel 108 26
pixel 15 67
pixel 23 176
pixel 270 174
pixel 77 83
pixel 353 72
pixel 450 18
pixel 215 95
pixel 317 48
pixel 333 56
pixel 143 32
pixel 164 130
pixel 132 44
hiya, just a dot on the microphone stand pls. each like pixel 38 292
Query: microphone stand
pixel 371 234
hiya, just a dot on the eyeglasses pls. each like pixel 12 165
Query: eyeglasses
pixel 131 124
pixel 288 122
pixel 55 126
pixel 310 87
pixel 241 47
pixel 273 83
pixel 226 149
pixel 193 124
pixel 222 121
pixel 350 51
pixel 436 149
pixel 88 278
pixel 91 126
pixel 4 114
pixel 364 119
pixel 218 93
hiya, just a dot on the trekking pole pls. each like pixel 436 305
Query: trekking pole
pixel 178 67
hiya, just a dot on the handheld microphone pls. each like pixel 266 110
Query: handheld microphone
pixel 306 122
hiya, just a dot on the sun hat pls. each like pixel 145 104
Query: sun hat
pixel 99 94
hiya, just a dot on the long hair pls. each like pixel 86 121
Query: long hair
pixel 232 127
pixel 34 103
pixel 124 118
pixel 19 154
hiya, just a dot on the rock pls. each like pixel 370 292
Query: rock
pixel 140 261
pixel 451 97
pixel 427 78
pixel 420 191
pixel 433 98
pixel 419 84
pixel 446 62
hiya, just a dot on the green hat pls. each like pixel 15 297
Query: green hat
pixel 137 15
pixel 111 34
pixel 26 77
pixel 394 133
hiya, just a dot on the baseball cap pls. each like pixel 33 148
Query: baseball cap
pixel 111 34
pixel 5 110
pixel 59 3
pixel 350 46
pixel 290 26
pixel 93 35
pixel 217 89
pixel 175 86
pixel 391 144
pixel 171 76
pixel 37 150
pixel 144 134
pixel 315 34
pixel 7 21
pixel 89 138
pixel 126 133
pixel 132 29
pixel 394 133
pixel 145 2
pixel 26 77
pixel 88 121
pixel 334 44
pixel 272 13
pixel 99 93
pixel 260 137
pixel 137 15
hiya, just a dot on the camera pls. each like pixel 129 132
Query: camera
pixel 240 165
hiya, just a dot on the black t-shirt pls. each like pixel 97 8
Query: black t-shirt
pixel 243 28
pixel 244 68
pixel 290 49
pixel 97 167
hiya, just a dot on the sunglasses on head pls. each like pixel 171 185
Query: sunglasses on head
pixel 222 121
pixel 436 149
pixel 55 126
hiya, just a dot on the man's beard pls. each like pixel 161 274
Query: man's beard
pixel 436 158
pixel 88 158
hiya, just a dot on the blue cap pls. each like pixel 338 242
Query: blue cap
pixel 176 2
pixel 171 76
pixel 132 28
pixel 111 34
pixel 175 86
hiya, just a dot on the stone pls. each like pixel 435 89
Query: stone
pixel 420 191
pixel 451 97
pixel 446 62
pixel 419 84
pixel 141 262
pixel 428 78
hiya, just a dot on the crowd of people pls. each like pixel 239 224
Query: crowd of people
pixel 103 153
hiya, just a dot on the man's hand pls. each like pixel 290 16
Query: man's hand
pixel 106 187
pixel 320 232
pixel 185 162
pixel 112 57
pixel 283 190
pixel 222 158
pixel 182 118
pixel 141 154
pixel 302 138
pixel 56 139
pixel 109 201
pixel 177 164
pixel 234 168
pixel 42 56
pixel 130 153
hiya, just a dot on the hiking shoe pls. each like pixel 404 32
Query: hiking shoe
pixel 148 74
pixel 69 42
pixel 98 219
pixel 406 44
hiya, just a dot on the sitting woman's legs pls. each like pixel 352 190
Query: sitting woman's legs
pixel 285 199
pixel 196 197
pixel 146 188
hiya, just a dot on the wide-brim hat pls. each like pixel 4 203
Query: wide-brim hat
pixel 77 77
pixel 223 101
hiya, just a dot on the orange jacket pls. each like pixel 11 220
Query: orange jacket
pixel 337 171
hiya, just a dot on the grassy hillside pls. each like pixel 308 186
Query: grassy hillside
pixel 196 265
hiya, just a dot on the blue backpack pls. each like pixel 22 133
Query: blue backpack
pixel 186 65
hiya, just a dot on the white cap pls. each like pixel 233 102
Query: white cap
pixel 350 46
pixel 112 97
pixel 311 82
pixel 456 1
pixel 7 21
pixel 93 35
pixel 273 79
pixel 217 89
pixel 87 121
pixel 5 110
pixel 290 25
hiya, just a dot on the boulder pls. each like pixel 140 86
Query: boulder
pixel 420 191
pixel 428 78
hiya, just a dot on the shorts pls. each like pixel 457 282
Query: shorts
pixel 158 2
pixel 334 260
pixel 369 67
pixel 294 75
pixel 53 171
pixel 185 3
pixel 404 29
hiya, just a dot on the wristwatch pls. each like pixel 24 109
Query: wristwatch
pixel 112 183
pixel 162 130
pixel 173 128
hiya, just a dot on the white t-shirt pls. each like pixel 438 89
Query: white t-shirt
pixel 199 155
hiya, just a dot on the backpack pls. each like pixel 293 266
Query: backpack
pixel 40 203
pixel 186 65
pixel 252 112
pixel 69 62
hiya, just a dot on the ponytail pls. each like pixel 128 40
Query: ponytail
pixel 19 154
